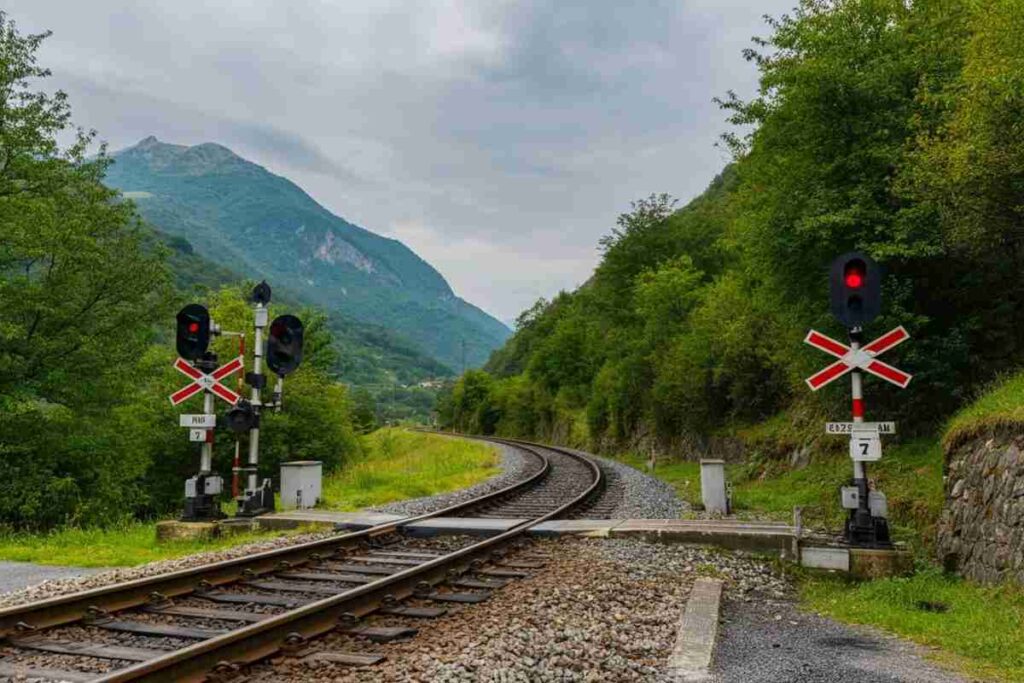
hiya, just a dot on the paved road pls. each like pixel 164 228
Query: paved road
pixel 770 641
pixel 17 575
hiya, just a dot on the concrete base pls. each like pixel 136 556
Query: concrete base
pixel 729 534
pixel 237 525
pixel 877 564
pixel 174 530
pixel 860 563
pixel 834 558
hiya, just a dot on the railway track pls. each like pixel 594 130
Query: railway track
pixel 209 622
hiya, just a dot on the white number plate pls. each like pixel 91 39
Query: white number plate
pixel 865 447
pixel 197 434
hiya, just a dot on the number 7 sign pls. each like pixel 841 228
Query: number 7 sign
pixel 865 447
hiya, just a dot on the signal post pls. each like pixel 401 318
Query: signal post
pixel 283 355
pixel 855 284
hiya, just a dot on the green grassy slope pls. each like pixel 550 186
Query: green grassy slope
pixel 400 464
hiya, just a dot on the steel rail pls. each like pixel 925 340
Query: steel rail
pixel 225 654
pixel 65 609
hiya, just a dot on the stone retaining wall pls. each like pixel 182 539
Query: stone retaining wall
pixel 981 530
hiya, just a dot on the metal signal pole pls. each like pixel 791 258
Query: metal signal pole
pixel 862 515
pixel 257 499
pixel 257 371
pixel 206 456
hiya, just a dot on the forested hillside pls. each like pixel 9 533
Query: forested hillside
pixel 892 127
pixel 87 303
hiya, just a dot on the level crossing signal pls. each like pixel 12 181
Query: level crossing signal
pixel 856 287
pixel 193 335
pixel 282 350
pixel 284 344
pixel 856 299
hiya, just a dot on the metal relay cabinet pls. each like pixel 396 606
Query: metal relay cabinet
pixel 300 484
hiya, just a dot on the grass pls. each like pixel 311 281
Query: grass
pixel 127 545
pixel 399 464
pixel 982 628
pixel 910 474
pixel 1003 404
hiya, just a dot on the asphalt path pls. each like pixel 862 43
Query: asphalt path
pixel 773 641
pixel 17 575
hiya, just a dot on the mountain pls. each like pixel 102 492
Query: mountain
pixel 368 354
pixel 246 219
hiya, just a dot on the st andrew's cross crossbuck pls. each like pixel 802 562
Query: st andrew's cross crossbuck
pixel 210 382
pixel 865 358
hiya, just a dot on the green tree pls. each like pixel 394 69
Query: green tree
pixel 79 294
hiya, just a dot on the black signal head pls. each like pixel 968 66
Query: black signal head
pixel 193 333
pixel 284 344
pixel 261 293
pixel 856 289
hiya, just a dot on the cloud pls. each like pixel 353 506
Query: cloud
pixel 509 133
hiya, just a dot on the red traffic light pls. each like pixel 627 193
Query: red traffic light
pixel 856 293
pixel 193 331
pixel 854 276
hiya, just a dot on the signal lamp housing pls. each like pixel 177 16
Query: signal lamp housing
pixel 284 344
pixel 193 334
pixel 856 289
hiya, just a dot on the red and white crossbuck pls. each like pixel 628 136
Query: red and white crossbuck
pixel 864 358
pixel 211 381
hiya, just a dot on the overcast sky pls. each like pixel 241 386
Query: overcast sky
pixel 499 140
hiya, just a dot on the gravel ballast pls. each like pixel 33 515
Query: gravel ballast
pixel 642 496
pixel 636 495
pixel 600 610
pixel 608 610
pixel 18 575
